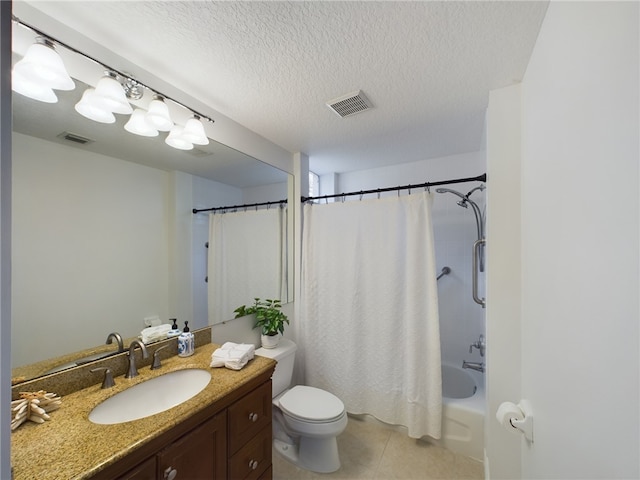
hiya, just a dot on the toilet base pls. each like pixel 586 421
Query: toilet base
pixel 314 454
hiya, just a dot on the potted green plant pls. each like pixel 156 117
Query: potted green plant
pixel 269 318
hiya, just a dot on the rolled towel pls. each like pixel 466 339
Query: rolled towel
pixel 232 355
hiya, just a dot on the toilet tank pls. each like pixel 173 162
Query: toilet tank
pixel 284 354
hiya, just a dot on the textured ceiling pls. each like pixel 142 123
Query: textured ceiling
pixel 271 66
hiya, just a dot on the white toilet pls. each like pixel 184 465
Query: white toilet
pixel 306 420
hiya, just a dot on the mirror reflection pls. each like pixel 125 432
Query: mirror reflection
pixel 104 238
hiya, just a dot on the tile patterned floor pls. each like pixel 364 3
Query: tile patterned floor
pixel 369 451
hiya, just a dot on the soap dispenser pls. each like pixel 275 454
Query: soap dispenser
pixel 175 331
pixel 186 342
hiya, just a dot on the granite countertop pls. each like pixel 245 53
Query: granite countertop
pixel 69 446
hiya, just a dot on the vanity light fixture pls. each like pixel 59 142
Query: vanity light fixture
pixel 42 63
pixel 158 114
pixel 32 89
pixel 138 124
pixel 41 71
pixel 111 94
pixel 194 131
pixel 89 107
pixel 176 140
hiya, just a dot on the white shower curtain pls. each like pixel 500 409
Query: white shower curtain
pixel 369 322
pixel 247 258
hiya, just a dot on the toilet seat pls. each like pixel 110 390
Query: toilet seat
pixel 310 404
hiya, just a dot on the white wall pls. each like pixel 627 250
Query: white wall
pixel 580 313
pixel 503 278
pixel 579 259
pixel 461 319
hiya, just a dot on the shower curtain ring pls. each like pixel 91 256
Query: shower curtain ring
pixel 361 195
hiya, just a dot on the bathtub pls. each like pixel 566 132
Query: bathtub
pixel 462 413
pixel 463 408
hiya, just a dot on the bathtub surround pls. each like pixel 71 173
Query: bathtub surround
pixel 370 295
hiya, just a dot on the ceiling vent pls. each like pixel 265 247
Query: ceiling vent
pixel 196 152
pixel 350 104
pixel 75 138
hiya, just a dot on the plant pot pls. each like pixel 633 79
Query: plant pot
pixel 270 341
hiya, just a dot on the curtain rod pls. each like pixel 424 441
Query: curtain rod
pixel 245 206
pixel 480 178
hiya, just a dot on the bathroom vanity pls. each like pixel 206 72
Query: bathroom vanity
pixel 222 432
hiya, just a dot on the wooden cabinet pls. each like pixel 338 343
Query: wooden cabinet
pixel 145 471
pixel 199 454
pixel 249 421
pixel 234 443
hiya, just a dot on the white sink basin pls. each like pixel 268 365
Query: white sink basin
pixel 151 397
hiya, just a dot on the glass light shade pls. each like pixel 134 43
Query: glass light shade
pixel 138 125
pixel 42 64
pixel 194 132
pixel 176 140
pixel 31 89
pixel 158 115
pixel 92 108
pixel 112 93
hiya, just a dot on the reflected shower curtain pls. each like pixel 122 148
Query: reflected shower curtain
pixel 247 258
pixel 369 322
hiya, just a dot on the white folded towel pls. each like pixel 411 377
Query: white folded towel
pixel 153 334
pixel 232 355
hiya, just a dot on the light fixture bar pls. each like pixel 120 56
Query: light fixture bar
pixel 107 67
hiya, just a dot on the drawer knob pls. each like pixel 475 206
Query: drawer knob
pixel 253 417
pixel 253 464
pixel 170 473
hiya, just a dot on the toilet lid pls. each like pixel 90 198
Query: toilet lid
pixel 311 404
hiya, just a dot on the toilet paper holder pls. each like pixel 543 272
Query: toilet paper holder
pixel 520 418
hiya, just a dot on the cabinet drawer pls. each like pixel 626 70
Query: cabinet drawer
pixel 251 461
pixel 248 416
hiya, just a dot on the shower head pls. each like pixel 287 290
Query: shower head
pixel 448 190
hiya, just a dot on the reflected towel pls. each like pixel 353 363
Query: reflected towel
pixel 153 334
pixel 232 355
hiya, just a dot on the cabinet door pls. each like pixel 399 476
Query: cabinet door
pixel 145 471
pixel 200 454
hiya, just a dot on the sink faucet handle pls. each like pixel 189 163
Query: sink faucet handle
pixel 108 376
pixel 156 358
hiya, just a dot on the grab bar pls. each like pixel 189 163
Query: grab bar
pixel 443 272
pixel 476 247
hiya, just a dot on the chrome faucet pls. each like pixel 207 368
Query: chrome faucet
pixel 133 371
pixel 118 338
pixel 478 366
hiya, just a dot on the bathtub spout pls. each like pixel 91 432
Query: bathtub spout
pixel 478 366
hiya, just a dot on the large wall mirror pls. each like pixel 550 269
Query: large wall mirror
pixel 104 237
